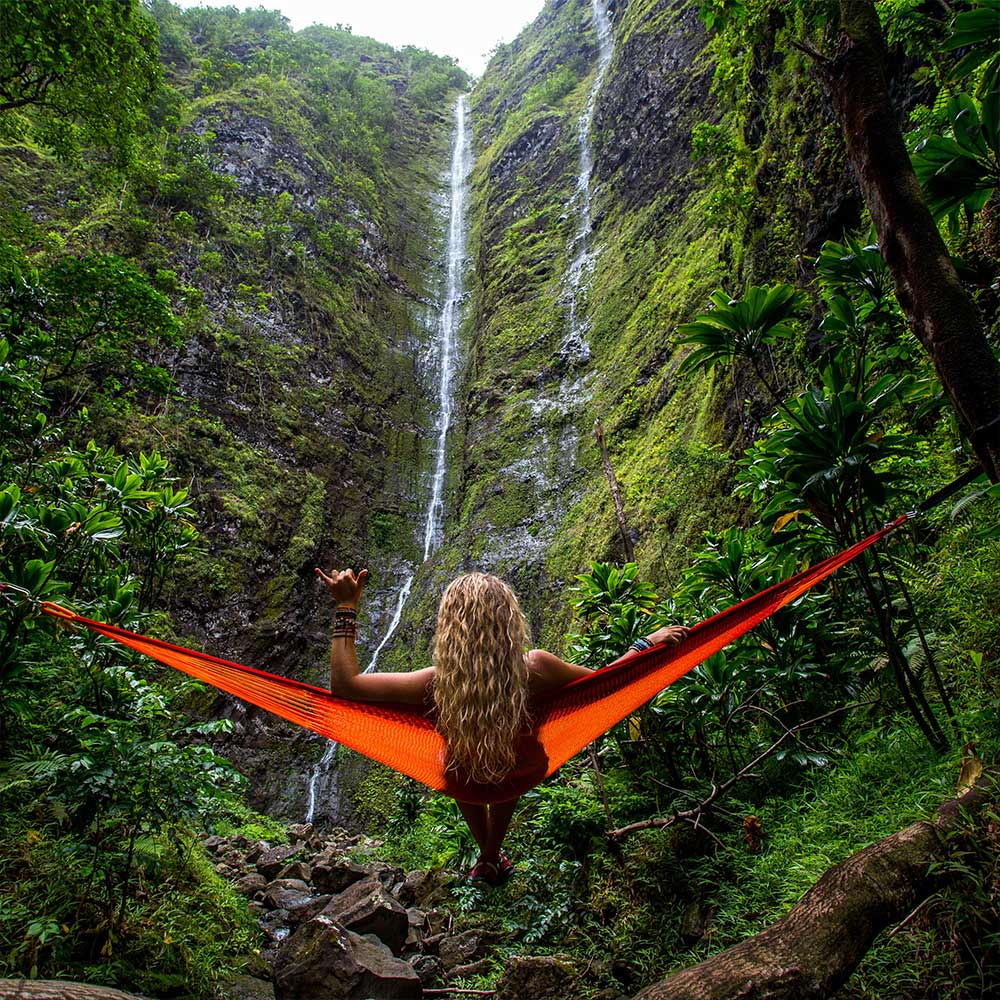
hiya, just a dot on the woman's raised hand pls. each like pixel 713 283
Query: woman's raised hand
pixel 345 587
pixel 669 634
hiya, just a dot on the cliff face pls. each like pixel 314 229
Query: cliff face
pixel 669 223
pixel 290 206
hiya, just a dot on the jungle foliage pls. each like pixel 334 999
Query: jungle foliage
pixel 178 309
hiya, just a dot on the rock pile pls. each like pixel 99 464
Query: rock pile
pixel 337 930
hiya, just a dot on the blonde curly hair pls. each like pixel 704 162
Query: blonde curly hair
pixel 481 677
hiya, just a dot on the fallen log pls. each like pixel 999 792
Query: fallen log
pixel 815 947
pixel 58 989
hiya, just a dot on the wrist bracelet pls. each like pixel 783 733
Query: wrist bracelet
pixel 345 623
pixel 641 645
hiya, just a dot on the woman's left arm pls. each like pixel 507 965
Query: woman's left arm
pixel 346 679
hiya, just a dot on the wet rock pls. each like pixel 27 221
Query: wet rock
pixel 300 831
pixel 286 893
pixel 550 977
pixel 336 876
pixel 366 908
pixel 465 948
pixel 214 844
pixel 272 860
pixel 307 909
pixel 251 883
pixel 324 961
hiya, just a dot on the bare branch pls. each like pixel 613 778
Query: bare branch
pixel 744 772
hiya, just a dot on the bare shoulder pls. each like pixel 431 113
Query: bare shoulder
pixel 549 671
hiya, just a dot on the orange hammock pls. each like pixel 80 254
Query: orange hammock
pixel 403 737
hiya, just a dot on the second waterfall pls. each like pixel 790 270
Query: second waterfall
pixel 321 783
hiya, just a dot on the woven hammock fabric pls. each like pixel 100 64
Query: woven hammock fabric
pixel 403 737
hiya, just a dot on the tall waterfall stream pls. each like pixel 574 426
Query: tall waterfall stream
pixel 575 342
pixel 447 350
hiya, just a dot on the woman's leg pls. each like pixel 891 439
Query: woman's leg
pixel 500 814
pixel 478 820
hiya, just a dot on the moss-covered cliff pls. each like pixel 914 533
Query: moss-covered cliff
pixel 286 203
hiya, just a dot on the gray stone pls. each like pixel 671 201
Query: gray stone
pixel 549 977
pixel 366 908
pixel 324 961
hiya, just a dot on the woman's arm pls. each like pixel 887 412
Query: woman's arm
pixel 346 679
pixel 548 671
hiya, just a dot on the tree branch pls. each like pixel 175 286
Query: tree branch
pixel 809 953
pixel 744 772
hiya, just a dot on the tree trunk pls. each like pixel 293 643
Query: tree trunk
pixel 939 310
pixel 57 989
pixel 812 950
pixel 616 493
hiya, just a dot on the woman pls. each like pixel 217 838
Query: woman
pixel 481 687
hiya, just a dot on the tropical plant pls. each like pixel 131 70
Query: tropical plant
pixel 959 172
pixel 742 328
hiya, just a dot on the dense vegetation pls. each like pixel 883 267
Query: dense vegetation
pixel 193 273
pixel 210 315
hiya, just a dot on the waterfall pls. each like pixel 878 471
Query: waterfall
pixel 447 349
pixel 575 344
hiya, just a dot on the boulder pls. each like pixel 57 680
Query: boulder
pixel 428 968
pixel 297 869
pixel 465 948
pixel 324 961
pixel 336 876
pixel 425 888
pixel 416 921
pixel 366 908
pixel 549 977
pixel 254 851
pixel 438 921
pixel 307 909
pixel 272 860
pixel 251 884
pixel 214 844
pixel 286 894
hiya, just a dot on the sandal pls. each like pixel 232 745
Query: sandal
pixel 505 870
pixel 484 871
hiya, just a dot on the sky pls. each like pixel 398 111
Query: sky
pixel 464 29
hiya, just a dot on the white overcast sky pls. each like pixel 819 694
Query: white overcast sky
pixel 465 29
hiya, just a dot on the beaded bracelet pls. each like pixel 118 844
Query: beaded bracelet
pixel 641 645
pixel 345 623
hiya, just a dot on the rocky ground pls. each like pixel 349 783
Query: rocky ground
pixel 339 930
